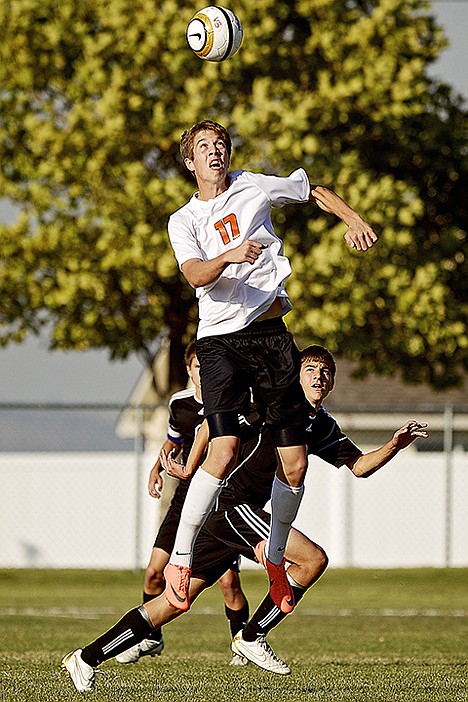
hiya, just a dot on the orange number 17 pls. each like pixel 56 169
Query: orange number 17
pixel 222 227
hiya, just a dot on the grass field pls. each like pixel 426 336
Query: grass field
pixel 360 635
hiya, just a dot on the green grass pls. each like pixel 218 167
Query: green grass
pixel 358 635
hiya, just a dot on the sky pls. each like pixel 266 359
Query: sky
pixel 30 373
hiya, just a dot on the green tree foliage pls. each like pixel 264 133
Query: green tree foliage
pixel 94 96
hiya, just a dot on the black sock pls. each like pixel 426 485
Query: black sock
pixel 267 616
pixel 237 618
pixel 156 634
pixel 147 597
pixel 130 630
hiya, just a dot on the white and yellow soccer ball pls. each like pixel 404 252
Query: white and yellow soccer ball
pixel 214 33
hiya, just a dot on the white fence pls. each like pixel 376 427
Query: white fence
pixel 91 510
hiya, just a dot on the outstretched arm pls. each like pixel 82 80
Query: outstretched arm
pixel 360 235
pixel 371 461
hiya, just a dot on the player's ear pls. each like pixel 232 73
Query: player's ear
pixel 189 164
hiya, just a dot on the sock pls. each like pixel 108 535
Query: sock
pixel 237 618
pixel 130 630
pixel 268 615
pixel 199 501
pixel 147 597
pixel 155 634
pixel 285 501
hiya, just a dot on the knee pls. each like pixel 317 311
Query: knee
pixel 313 566
pixel 154 580
pixel 294 471
pixel 223 452
pixel 231 589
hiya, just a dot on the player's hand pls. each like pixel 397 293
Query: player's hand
pixel 155 481
pixel 172 468
pixel 408 433
pixel 247 252
pixel 360 235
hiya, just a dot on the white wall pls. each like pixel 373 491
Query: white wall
pixel 78 510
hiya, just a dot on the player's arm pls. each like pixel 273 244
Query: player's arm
pixel 360 235
pixel 155 482
pixel 199 273
pixel 195 457
pixel 368 463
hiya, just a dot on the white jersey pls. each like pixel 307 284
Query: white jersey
pixel 205 229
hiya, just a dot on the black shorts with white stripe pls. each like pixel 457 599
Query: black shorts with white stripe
pixel 226 535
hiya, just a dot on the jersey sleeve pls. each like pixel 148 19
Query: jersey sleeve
pixel 326 440
pixel 174 433
pixel 283 190
pixel 341 452
pixel 183 240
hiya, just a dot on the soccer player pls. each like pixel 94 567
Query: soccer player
pixel 185 418
pixel 239 525
pixel 226 248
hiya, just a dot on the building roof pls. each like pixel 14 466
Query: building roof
pixel 378 390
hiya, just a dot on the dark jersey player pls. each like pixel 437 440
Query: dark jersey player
pixel 185 418
pixel 240 525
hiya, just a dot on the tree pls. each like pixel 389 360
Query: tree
pixel 95 95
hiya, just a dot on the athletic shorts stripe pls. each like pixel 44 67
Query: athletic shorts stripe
pixel 253 520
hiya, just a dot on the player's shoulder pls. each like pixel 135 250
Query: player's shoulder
pixel 181 396
pixel 321 421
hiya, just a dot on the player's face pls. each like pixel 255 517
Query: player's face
pixel 210 161
pixel 316 380
pixel 194 372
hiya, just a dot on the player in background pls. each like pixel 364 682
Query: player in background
pixel 324 439
pixel 239 524
pixel 227 250
pixel 185 418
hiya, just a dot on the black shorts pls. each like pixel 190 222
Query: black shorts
pixel 262 357
pixel 226 535
pixel 167 531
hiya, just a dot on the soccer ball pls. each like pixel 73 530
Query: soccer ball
pixel 214 33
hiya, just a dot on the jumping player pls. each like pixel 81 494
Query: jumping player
pixel 239 524
pixel 185 418
pixel 226 248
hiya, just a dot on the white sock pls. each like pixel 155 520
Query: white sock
pixel 199 501
pixel 285 501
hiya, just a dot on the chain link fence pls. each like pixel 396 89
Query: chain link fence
pixel 74 492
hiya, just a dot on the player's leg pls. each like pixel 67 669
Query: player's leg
pixel 286 496
pixel 308 562
pixel 154 584
pixel 133 627
pixel 202 494
pixel 236 606
pixel 154 578
pixel 279 389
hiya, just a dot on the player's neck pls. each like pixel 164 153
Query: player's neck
pixel 314 406
pixel 207 190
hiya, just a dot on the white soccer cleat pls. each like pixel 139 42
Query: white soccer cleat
pixel 147 647
pixel 237 660
pixel 80 672
pixel 260 653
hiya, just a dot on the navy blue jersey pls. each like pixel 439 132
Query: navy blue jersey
pixel 185 417
pixel 325 439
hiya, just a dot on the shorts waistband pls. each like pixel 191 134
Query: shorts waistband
pixel 276 324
